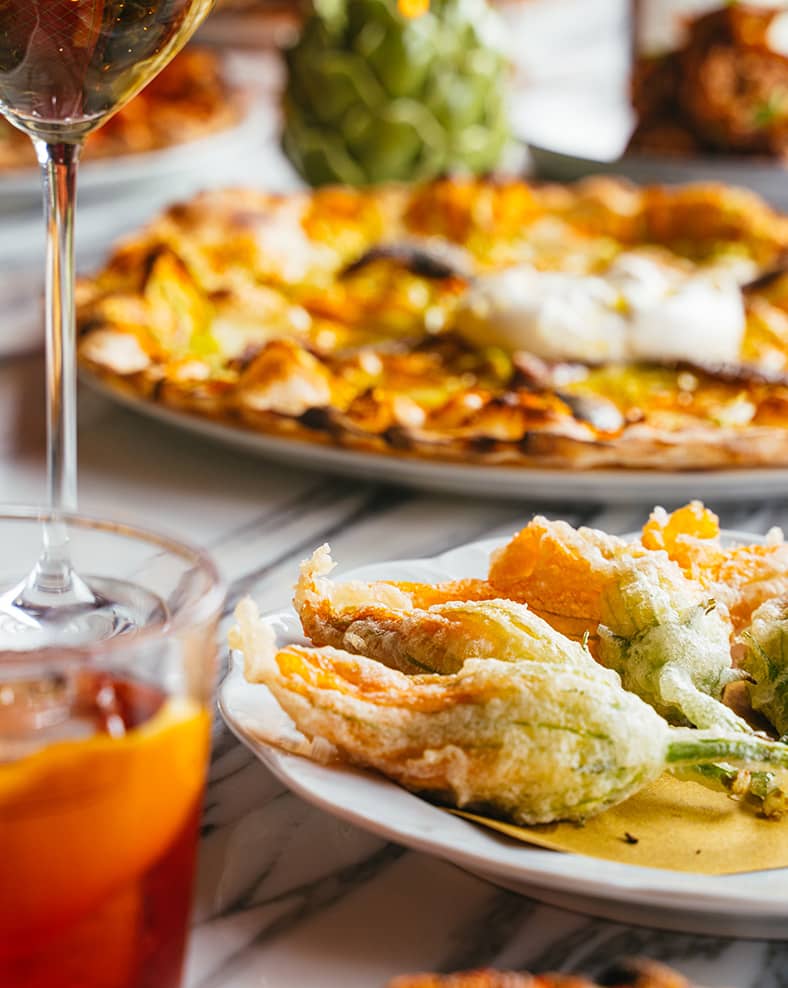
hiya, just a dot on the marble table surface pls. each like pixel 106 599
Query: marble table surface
pixel 287 896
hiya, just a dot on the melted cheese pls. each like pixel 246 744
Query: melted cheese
pixel 283 245
pixel 637 310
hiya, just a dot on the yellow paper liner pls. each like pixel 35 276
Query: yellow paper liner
pixel 673 825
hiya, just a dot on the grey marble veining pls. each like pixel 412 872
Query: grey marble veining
pixel 287 896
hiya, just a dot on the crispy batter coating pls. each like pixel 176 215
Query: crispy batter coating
pixel 741 577
pixel 560 572
pixel 766 660
pixel 381 621
pixel 425 595
pixel 327 608
pixel 533 742
pixel 689 535
pixel 669 642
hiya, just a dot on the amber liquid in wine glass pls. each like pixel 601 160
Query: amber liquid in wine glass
pixel 65 67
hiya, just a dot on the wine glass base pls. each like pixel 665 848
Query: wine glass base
pixel 102 608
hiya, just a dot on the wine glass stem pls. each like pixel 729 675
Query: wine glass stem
pixel 59 172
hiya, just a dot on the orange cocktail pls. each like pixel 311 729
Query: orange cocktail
pixel 104 738
pixel 97 836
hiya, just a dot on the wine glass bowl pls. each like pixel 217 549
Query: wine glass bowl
pixel 149 579
pixel 66 65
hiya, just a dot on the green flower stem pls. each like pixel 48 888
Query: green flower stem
pixel 698 750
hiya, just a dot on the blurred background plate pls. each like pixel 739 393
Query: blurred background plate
pixel 252 78
pixel 572 133
pixel 22 187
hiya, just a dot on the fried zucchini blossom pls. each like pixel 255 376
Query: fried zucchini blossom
pixel 532 742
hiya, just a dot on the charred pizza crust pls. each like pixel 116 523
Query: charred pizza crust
pixel 326 317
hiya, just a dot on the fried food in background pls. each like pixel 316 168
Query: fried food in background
pixel 725 90
pixel 626 974
pixel 189 99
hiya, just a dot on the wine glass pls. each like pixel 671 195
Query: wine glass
pixel 65 67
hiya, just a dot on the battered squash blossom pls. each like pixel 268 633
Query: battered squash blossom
pixel 530 741
pixel 766 660
pixel 671 649
pixel 669 644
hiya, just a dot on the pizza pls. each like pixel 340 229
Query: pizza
pixel 189 99
pixel 465 320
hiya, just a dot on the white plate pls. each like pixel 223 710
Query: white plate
pixel 20 189
pixel 572 133
pixel 609 486
pixel 754 905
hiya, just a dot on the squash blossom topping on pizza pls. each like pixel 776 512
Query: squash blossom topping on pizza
pixel 595 326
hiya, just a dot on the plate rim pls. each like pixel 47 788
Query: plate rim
pixel 513 482
pixel 256 121
pixel 721 895
pixel 761 166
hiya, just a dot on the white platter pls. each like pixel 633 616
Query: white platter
pixel 572 133
pixel 753 905
pixel 559 486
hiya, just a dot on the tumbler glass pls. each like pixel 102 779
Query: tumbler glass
pixel 103 753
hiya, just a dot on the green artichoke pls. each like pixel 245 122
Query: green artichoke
pixel 374 96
